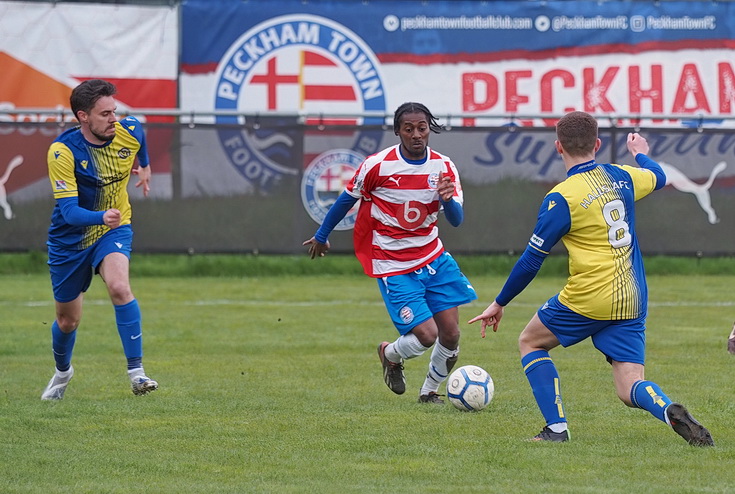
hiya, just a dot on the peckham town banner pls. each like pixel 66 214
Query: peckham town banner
pixel 475 64
pixel 499 71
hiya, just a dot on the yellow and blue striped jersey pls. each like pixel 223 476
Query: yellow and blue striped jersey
pixel 97 175
pixel 593 213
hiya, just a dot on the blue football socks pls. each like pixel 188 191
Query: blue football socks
pixel 544 380
pixel 129 326
pixel 648 396
pixel 62 345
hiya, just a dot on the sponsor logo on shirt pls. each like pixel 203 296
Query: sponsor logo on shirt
pixel 536 240
pixel 60 184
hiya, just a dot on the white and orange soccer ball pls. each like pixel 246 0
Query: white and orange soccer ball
pixel 470 388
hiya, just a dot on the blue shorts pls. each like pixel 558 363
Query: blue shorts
pixel 413 298
pixel 623 340
pixel 72 270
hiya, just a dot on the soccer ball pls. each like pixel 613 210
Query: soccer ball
pixel 470 388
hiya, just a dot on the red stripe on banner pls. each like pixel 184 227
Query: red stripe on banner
pixel 311 58
pixel 576 51
pixel 144 93
pixel 198 68
pixel 329 93
pixel 331 121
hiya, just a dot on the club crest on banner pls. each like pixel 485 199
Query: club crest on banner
pixel 324 180
pixel 294 64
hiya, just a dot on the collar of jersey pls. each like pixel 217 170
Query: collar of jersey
pixel 414 162
pixel 582 167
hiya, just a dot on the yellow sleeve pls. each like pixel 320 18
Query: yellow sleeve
pixel 61 171
pixel 644 180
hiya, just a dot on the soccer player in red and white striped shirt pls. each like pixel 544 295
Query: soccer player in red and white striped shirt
pixel 402 190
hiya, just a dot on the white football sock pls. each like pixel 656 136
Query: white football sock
pixel 405 347
pixel 133 373
pixel 438 371
pixel 558 427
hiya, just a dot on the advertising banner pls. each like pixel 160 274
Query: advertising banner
pixel 281 100
pixel 518 65
pixel 48 48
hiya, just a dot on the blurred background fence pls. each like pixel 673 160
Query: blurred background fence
pixel 258 112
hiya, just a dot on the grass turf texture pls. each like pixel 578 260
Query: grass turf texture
pixel 272 384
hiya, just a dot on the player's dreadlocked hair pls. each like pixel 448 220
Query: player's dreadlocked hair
pixel 86 94
pixel 411 107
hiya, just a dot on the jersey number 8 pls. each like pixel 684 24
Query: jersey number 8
pixel 619 232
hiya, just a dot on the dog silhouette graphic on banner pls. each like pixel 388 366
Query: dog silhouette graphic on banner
pixel 681 182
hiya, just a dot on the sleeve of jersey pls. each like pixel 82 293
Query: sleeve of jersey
pixel 553 223
pixel 60 162
pixel 335 214
pixel 453 211
pixel 647 163
pixel 135 128
pixel 77 216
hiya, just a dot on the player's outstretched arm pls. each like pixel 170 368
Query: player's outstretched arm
pixel 489 317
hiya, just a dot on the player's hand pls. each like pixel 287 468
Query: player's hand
pixel 445 188
pixel 490 317
pixel 316 248
pixel 144 176
pixel 731 341
pixel 112 218
pixel 637 144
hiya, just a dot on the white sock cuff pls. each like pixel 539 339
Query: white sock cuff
pixel 136 372
pixel 444 352
pixel 408 346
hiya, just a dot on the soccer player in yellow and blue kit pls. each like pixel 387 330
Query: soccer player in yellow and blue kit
pixel 593 213
pixel 89 168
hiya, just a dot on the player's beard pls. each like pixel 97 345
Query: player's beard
pixel 104 137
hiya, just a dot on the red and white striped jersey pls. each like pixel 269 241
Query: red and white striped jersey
pixel 395 230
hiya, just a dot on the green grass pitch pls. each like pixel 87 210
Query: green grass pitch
pixel 271 384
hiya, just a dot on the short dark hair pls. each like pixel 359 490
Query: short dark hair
pixel 85 95
pixel 577 133
pixel 412 107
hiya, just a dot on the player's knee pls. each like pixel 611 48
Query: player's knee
pixel 449 337
pixel 426 335
pixel 119 292
pixel 67 323
pixel 525 343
